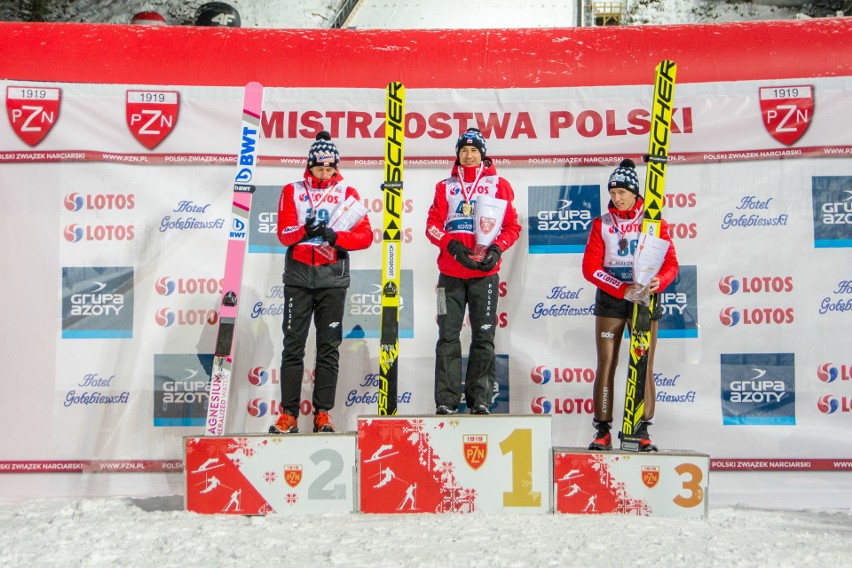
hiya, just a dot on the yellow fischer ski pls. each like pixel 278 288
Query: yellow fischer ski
pixel 655 180
pixel 391 245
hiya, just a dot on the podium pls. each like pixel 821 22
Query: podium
pixel 454 464
pixel 437 464
pixel 667 483
pixel 262 474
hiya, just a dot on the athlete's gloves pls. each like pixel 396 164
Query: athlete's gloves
pixel 329 235
pixel 462 254
pixel 314 229
pixel 492 257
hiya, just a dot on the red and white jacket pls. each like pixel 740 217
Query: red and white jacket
pixel 298 202
pixel 607 266
pixel 446 221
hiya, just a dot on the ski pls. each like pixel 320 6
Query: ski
pixel 655 179
pixel 223 362
pixel 391 245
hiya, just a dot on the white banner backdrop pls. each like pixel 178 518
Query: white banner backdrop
pixel 114 235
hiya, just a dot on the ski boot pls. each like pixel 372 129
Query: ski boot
pixel 603 439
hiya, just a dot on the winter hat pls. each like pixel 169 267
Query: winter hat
pixel 217 14
pixel 323 152
pixel 148 18
pixel 471 137
pixel 625 176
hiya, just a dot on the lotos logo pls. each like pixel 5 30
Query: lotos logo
pixel 541 405
pixel 787 111
pixel 166 286
pixel 828 373
pixel 99 201
pixel 32 111
pixel 729 285
pixel 541 375
pixel 73 202
pixel 828 404
pixel 73 233
pixel 729 317
pixel 166 317
pixel 258 407
pixel 756 284
pixel 757 316
pixel 259 376
pixel 151 115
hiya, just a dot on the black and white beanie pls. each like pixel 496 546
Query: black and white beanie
pixel 323 152
pixel 625 176
pixel 471 137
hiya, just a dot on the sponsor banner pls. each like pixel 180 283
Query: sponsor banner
pixel 364 305
pixel 758 389
pixel 776 464
pixel 181 389
pixel 530 126
pixel 832 203
pixel 92 466
pixel 560 217
pixel 679 303
pixel 97 302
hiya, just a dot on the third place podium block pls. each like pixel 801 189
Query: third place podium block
pixel 454 464
pixel 667 484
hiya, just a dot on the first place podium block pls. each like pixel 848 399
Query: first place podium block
pixel 666 484
pixel 454 464
pixel 261 474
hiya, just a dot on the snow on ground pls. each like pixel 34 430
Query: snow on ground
pixel 156 532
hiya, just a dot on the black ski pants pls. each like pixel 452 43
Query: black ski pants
pixel 326 306
pixel 479 295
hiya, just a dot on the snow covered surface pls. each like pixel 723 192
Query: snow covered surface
pixel 156 531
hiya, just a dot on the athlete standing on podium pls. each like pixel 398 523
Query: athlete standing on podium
pixel 464 282
pixel 608 264
pixel 315 284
